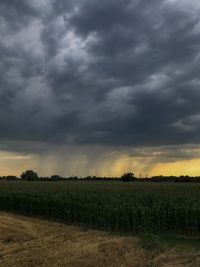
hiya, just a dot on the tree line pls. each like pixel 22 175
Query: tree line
pixel 31 175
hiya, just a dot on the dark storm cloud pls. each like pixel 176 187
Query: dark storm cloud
pixel 120 73
pixel 16 13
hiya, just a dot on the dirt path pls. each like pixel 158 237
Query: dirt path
pixel 26 242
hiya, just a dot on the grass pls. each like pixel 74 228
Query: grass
pixel 162 242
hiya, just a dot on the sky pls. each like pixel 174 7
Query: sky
pixel 92 87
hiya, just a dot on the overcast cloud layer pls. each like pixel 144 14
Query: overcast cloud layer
pixel 107 73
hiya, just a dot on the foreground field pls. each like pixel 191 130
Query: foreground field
pixel 33 242
pixel 114 206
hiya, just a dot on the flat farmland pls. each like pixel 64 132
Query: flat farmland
pixel 135 207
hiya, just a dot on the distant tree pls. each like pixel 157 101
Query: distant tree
pixel 29 175
pixel 128 176
pixel 56 178
pixel 11 177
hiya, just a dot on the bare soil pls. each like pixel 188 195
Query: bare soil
pixel 27 242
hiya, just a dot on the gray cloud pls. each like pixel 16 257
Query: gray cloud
pixel 108 73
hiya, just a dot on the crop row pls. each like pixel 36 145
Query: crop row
pixel 113 211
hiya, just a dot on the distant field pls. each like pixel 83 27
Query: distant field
pixel 114 206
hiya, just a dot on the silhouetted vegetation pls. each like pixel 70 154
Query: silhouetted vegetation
pixel 56 178
pixel 128 177
pixel 31 175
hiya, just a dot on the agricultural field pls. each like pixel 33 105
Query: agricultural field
pixel 135 207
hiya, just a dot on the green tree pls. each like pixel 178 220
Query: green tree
pixel 29 175
pixel 128 176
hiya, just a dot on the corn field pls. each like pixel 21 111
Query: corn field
pixel 113 206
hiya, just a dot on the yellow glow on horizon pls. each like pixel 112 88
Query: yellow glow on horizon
pixel 109 164
pixel 14 164
pixel 117 166
pixel 184 167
